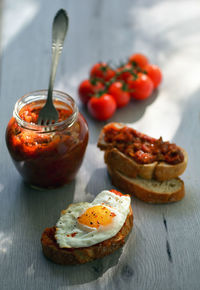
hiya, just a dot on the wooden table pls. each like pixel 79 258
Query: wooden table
pixel 162 251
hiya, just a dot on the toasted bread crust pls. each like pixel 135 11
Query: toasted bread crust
pixel 119 161
pixel 66 256
pixel 143 193
pixel 157 170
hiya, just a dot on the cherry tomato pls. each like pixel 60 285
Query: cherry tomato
pixel 140 59
pixel 102 71
pixel 124 72
pixel 141 88
pixel 119 93
pixel 87 89
pixel 103 107
pixel 154 72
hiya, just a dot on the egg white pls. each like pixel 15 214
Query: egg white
pixel 86 236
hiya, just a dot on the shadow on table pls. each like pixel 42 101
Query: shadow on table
pixel 81 274
pixel 129 114
pixel 117 264
pixel 43 206
pixel 99 180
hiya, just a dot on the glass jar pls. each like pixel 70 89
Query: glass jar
pixel 47 156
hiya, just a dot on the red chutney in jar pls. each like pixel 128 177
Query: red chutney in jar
pixel 142 148
pixel 47 156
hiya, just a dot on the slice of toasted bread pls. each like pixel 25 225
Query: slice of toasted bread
pixel 66 256
pixel 151 191
pixel 157 170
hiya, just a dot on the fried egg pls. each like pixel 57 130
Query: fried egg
pixel 85 224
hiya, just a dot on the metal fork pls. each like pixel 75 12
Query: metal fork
pixel 48 114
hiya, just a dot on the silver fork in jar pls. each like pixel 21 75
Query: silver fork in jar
pixel 48 114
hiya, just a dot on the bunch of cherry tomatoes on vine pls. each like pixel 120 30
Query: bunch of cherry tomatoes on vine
pixel 108 89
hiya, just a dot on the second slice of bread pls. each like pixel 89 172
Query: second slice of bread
pixel 151 191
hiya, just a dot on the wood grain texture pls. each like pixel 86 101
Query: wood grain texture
pixel 162 251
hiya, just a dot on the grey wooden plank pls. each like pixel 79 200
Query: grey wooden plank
pixel 1 10
pixel 162 251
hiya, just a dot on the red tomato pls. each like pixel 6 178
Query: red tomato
pixel 102 71
pixel 140 59
pixel 141 88
pixel 154 72
pixel 102 108
pixel 86 90
pixel 125 72
pixel 119 93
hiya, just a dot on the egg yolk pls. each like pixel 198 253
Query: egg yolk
pixel 96 216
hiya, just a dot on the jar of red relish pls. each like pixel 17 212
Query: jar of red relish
pixel 47 156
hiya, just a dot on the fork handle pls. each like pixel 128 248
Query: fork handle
pixel 59 30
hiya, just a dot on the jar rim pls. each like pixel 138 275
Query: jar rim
pixel 42 95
